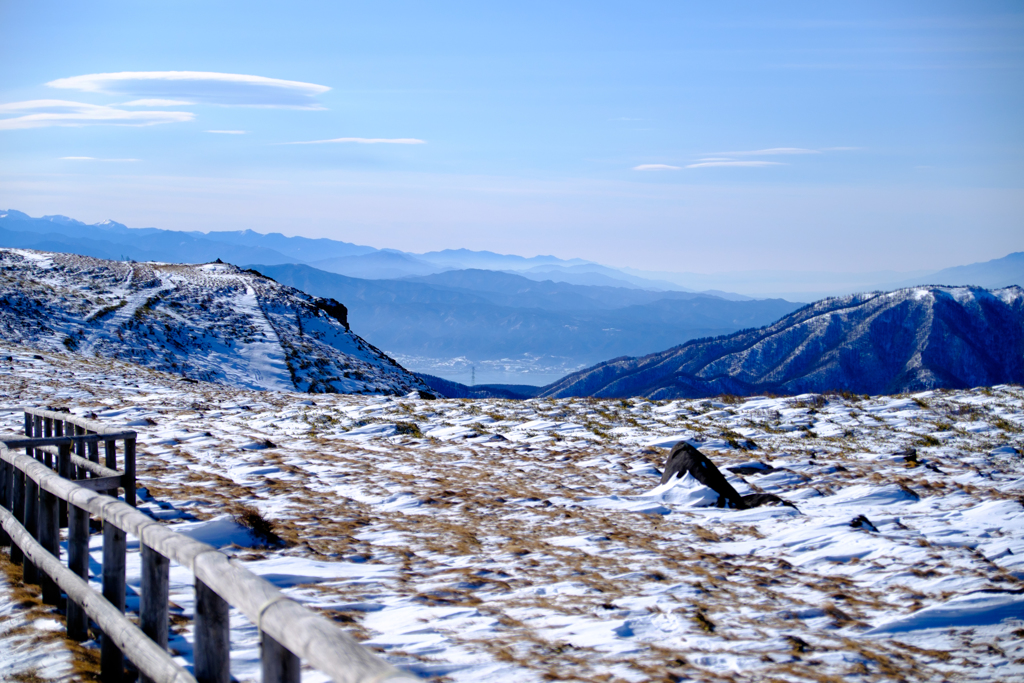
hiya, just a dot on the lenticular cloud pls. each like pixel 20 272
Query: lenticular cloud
pixel 45 113
pixel 200 87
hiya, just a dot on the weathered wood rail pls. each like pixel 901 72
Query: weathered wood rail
pixel 59 478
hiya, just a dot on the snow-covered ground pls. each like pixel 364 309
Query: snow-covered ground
pixel 490 540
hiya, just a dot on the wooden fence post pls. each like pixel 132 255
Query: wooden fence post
pixel 18 510
pixel 212 647
pixel 31 522
pixel 6 484
pixel 78 562
pixel 129 471
pixel 64 470
pixel 278 664
pixel 47 431
pixel 49 538
pixel 81 450
pixel 42 457
pixel 114 547
pixel 110 460
pixel 94 456
pixel 154 608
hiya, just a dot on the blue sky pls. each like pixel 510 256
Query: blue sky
pixel 677 136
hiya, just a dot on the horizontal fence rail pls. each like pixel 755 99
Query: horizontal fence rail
pixel 33 497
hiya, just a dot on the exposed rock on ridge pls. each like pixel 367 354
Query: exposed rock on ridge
pixel 908 340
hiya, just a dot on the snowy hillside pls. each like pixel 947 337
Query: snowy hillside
pixel 908 340
pixel 502 541
pixel 209 322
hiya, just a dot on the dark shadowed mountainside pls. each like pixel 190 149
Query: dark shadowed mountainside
pixel 450 389
pixel 480 314
pixel 879 343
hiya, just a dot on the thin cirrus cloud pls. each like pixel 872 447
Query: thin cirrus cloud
pixel 724 162
pixel 726 159
pixel 156 102
pixel 93 159
pixel 362 141
pixel 771 151
pixel 199 87
pixel 46 113
pixel 656 167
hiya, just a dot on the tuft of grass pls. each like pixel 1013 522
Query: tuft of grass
pixel 703 622
pixel 798 645
pixel 29 676
pixel 409 429
pixel 705 534
pixel 261 527
pixel 106 310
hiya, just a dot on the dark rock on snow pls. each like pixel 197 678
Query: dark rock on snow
pixel 685 458
pixel 751 468
pixel 754 500
pixel 862 522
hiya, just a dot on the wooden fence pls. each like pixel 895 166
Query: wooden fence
pixel 59 482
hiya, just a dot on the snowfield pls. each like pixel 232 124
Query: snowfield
pixel 491 540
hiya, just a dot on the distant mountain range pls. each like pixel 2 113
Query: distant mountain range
pixel 113 240
pixel 484 314
pixel 210 322
pixel 881 343
pixel 995 274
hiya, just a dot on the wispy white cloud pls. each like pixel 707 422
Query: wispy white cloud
pixel 46 113
pixel 155 103
pixel 771 152
pixel 228 132
pixel 363 141
pixel 200 87
pixel 656 167
pixel 93 159
pixel 749 164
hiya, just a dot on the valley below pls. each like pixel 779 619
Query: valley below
pixel 494 540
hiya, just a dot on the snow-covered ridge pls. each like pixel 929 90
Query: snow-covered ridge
pixel 879 343
pixel 211 322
